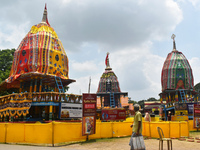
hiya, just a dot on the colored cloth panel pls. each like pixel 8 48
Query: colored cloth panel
pixel 23 60
pixel 43 28
pixel 42 52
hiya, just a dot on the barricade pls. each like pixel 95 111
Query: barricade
pixel 67 132
pixel 56 133
pixel 191 127
pixel 171 129
pixel 38 133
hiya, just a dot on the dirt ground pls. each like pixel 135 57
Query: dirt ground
pixel 111 144
pixel 107 144
pixel 122 144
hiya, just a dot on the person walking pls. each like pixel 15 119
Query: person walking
pixel 136 126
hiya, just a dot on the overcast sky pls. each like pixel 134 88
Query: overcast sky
pixel 136 33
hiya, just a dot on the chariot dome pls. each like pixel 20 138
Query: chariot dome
pixel 40 55
pixel 109 89
pixel 176 72
pixel 177 78
pixel 38 77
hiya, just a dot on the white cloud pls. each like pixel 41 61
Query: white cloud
pixel 11 35
pixel 66 1
pixel 152 71
pixel 127 29
pixel 195 2
pixel 195 65
pixel 116 25
pixel 84 66
pixel 82 84
pixel 138 71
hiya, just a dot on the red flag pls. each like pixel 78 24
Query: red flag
pixel 106 61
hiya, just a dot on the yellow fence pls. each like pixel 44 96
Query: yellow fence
pixel 170 129
pixel 56 132
pixel 191 126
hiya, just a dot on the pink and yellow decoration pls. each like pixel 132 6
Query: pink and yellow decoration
pixel 40 53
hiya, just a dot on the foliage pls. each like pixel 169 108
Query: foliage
pixel 131 101
pixel 6 58
pixel 66 88
pixel 197 87
pixel 8 91
pixel 141 103
pixel 152 99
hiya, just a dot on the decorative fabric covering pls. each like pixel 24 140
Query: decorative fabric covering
pixel 176 72
pixel 39 58
pixel 108 78
pixel 41 51
pixel 15 104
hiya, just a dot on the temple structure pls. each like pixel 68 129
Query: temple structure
pixel 40 74
pixel 109 94
pixel 177 83
pixel 108 89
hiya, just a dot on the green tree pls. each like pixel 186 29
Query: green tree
pixel 141 103
pixel 197 87
pixel 131 101
pixel 6 58
pixel 152 99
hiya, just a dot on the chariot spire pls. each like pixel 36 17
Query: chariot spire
pixel 45 18
pixel 174 43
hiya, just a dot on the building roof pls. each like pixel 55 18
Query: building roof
pixel 151 104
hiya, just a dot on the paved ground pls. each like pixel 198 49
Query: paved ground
pixel 108 144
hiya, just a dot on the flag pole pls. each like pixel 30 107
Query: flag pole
pixel 89 85
pixel 87 136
